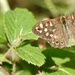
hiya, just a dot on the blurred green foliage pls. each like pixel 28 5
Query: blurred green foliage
pixel 62 60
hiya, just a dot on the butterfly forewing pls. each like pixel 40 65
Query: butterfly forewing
pixel 43 29
pixel 52 31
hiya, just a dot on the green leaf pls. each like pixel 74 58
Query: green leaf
pixel 61 60
pixel 58 56
pixel 23 72
pixel 2 33
pixel 65 60
pixel 31 54
pixel 58 72
pixel 67 70
pixel 18 24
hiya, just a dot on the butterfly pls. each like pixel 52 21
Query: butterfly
pixel 56 31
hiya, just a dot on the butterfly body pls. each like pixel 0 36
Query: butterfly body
pixel 56 31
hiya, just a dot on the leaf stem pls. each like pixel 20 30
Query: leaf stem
pixel 1 59
pixel 60 69
pixel 13 68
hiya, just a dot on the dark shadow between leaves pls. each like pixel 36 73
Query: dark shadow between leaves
pixel 59 53
pixel 56 52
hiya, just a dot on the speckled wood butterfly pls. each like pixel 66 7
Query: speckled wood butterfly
pixel 56 31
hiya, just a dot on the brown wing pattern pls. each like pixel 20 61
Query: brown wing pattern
pixel 52 31
pixel 70 22
pixel 60 38
pixel 42 29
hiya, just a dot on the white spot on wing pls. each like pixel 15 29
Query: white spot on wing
pixel 51 24
pixel 45 29
pixel 72 17
pixel 41 25
pixel 47 34
pixel 46 25
pixel 36 28
pixel 51 35
pixel 40 31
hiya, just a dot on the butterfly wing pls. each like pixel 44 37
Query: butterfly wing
pixel 70 22
pixel 52 31
pixel 60 36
